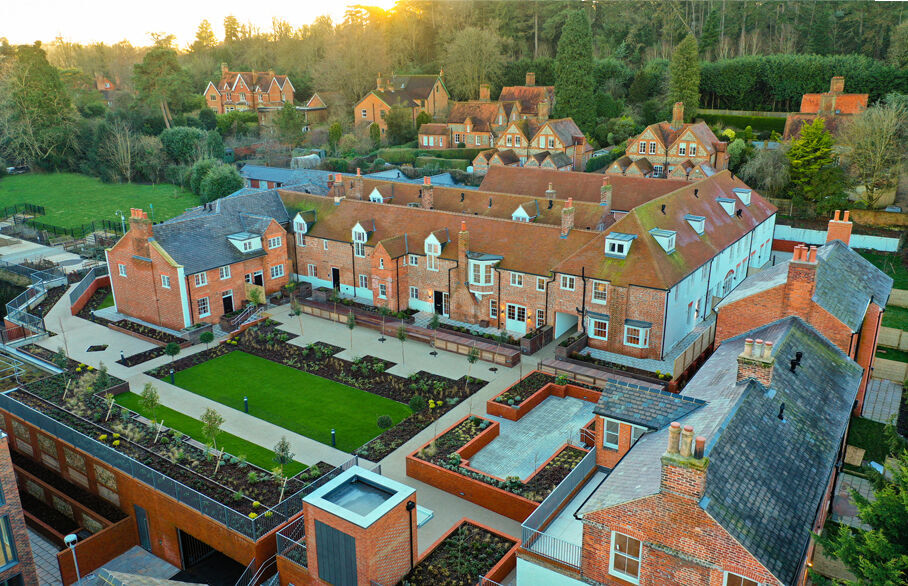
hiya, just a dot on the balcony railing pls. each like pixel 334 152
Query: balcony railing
pixel 291 542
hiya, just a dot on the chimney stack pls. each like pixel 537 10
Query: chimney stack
pixel 567 218
pixel 683 464
pixel 339 190
pixel 542 110
pixel 378 85
pixel 224 69
pixel 463 247
pixel 484 93
pixel 358 184
pixel 756 361
pixel 837 85
pixel 839 229
pixel 802 275
pixel 428 194
pixel 531 79
pixel 605 194
pixel 677 115
pixel 140 231
pixel 550 193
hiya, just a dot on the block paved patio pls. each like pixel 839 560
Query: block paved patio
pixel 882 400
pixel 843 508
pixel 45 554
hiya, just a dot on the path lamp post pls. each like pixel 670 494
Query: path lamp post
pixel 122 220
pixel 246 403
pixel 70 541
pixel 171 375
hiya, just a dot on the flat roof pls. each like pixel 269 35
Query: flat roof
pixel 332 498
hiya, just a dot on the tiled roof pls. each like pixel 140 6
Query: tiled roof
pixel 647 264
pixel 668 135
pixel 528 96
pixel 844 103
pixel 627 192
pixel 507 157
pixel 482 114
pixel 560 159
pixel 434 129
pixel 197 239
pixel 766 477
pixel 650 408
pixel 405 90
pixel 260 79
pixel 566 129
pixel 313 179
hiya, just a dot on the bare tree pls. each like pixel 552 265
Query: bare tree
pixel 119 149
pixel 875 142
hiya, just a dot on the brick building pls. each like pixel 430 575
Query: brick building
pixel 433 136
pixel 832 288
pixel 835 107
pixel 675 149
pixel 17 567
pixel 528 137
pixel 248 91
pixel 416 93
pixel 202 264
pixel 730 491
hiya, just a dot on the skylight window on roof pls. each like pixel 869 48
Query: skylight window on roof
pixel 665 238
pixel 698 223
pixel 727 204
pixel 743 194
pixel 617 245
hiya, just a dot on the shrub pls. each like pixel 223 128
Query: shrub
pixel 335 164
pixel 384 421
pixel 757 123
pixel 183 144
pixel 198 172
pixel 220 181
pixel 398 156
pixel 441 163
pixel 417 403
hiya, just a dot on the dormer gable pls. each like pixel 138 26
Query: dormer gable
pixel 525 213
pixel 377 197
pixel 743 194
pixel 246 242
pixel 665 238
pixel 618 244
pixel 698 223
pixel 435 242
pixel 362 230
pixel 303 221
pixel 727 204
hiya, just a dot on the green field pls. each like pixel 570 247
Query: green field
pixel 71 200
pixel 303 403
pixel 891 264
pixel 896 317
pixel 255 454
pixel 891 354
pixel 108 301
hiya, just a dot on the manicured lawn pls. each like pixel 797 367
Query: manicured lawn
pixel 108 301
pixel 71 199
pixel 891 264
pixel 891 354
pixel 254 453
pixel 896 317
pixel 301 402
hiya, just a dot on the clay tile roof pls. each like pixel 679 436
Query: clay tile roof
pixel 482 114
pixel 434 129
pixel 647 264
pixel 406 90
pixel 507 157
pixel 644 165
pixel 565 128
pixel 253 80
pixel 396 246
pixel 540 157
pixel 844 103
pixel 668 135
pixel 528 96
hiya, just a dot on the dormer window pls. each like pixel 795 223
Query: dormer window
pixel 359 241
pixel 377 197
pixel 698 223
pixel 665 238
pixel 727 204
pixel 743 194
pixel 617 245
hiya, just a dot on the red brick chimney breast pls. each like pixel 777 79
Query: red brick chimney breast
pixel 683 466
pixel 839 229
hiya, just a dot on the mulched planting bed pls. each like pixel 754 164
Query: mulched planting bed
pixel 503 338
pixel 459 560
pixel 97 348
pixel 441 452
pixel 141 357
pixel 347 302
pixel 47 514
pixel 94 302
pixel 53 296
pixel 615 366
pixel 522 389
pixel 98 298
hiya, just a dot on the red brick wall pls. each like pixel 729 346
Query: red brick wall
pixel 866 350
pixel 609 457
pixel 76 307
pixel 373 107
pixel 12 507
pixel 99 549
pixel 638 303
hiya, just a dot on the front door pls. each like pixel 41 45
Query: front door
pixel 336 278
pixel 142 524
pixel 516 319
pixel 227 298
pixel 438 298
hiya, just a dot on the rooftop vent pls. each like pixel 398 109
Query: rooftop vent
pixel 738 212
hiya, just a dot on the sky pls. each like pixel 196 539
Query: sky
pixel 111 21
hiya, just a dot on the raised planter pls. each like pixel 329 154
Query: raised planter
pixel 563 351
pixel 630 372
pixel 195 333
pixel 541 337
pixel 515 412
pixel 115 327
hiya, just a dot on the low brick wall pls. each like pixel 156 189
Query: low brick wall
pixel 98 549
pixel 116 328
pixel 77 306
pixel 499 571
pixel 472 447
pixel 513 413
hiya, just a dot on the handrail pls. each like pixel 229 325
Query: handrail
pixel 42 280
pixel 85 283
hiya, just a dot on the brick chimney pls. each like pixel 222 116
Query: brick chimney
pixel 567 218
pixel 339 189
pixel 542 110
pixel 484 93
pixel 827 104
pixel 140 231
pixel 839 229
pixel 550 193
pixel 677 115
pixel 756 361
pixel 579 149
pixel 531 79
pixel 428 194
pixel 802 276
pixel 378 84
pixel 605 194
pixel 463 246
pixel 837 85
pixel 224 69
pixel 358 185
pixel 683 464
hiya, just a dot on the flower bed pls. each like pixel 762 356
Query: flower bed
pixel 504 338
pixel 141 357
pixel 53 296
pixel 153 335
pixel 523 389
pixel 326 295
pixel 615 367
pixel 464 554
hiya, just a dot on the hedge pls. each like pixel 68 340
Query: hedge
pixel 399 156
pixel 468 154
pixel 461 164
pixel 596 163
pixel 757 123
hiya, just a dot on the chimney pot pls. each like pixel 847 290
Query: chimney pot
pixel 687 436
pixel 845 218
pixel 463 225
pixel 836 218
pixel 748 347
pixel 813 254
pixel 699 447
pixel 767 350
pixel 358 172
pixel 427 180
pixel 674 435
pixel 757 348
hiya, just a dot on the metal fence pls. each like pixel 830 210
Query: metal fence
pixel 291 542
pixel 42 280
pixel 85 283
pixel 22 208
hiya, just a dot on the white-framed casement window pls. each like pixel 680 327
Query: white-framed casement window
pixel 300 239
pixel 692 151
pixel 247 246
pixel 636 336
pixel 652 147
pixel 480 273
pixel 642 149
pixel 274 242
pixel 600 292
pixel 277 271
pixel 567 282
pixel 517 141
pixel 312 270
pixel 432 263
pixel 325 244
pixel 457 138
pixel 657 170
pixel 516 280
pixel 363 282
pixel 599 329
pixel 414 293
pixel 732 579
pixel 551 143
pixel 165 281
pixel 616 247
pixel 204 307
pixel 363 113
pixel 516 312
pixel 359 243
pixel 540 283
pixel 682 149
pixel 382 290
pixel 540 318
pixel 509 140
pixel 493 309
pixel 224 272
pixel 624 560
pixel 611 434
pixel 122 269
pixel 201 279
pixel 381 263
pixel 414 260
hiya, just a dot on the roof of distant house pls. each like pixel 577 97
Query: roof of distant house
pixel 254 80
pixel 529 97
pixel 646 407
pixel 669 133
pixel 481 114
pixel 313 179
pixel 566 130
pixel 766 476
pixel 844 103
pixel 434 129
pixel 406 90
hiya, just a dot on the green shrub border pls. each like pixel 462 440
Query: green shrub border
pixel 757 123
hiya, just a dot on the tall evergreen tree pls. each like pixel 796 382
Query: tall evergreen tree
pixel 161 81
pixel 820 38
pixel 204 37
pixel 709 36
pixel 574 74
pixel 684 76
pixel 814 174
pixel 231 28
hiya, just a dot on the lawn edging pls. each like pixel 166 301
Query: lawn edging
pixel 515 412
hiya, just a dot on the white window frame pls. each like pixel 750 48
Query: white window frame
pixel 642 333
pixel 744 580
pixel 617 248
pixel 201 279
pixel 540 318
pixel 363 282
pixel 652 147
pixel 359 249
pixel 165 281
pixel 657 170
pixel 611 562
pixel 606 433
pixel 642 147
pixel 224 272
pixel 593 326
pixel 382 291
pixel 516 310
pixel 274 242
pixel 568 282
pixel 493 308
pixel 277 271
pixel 207 304
pixel 551 142
pixel 247 245
pixel 121 268
pixel 364 113
pixel 312 270
pixel 516 280
pixel 603 299
pixel 300 239
pixel 692 150
pixel 682 149
pixel 540 283
pixel 414 293
pixel 413 260
pixel 509 140
pixel 517 141
pixel 431 262
pixel 325 244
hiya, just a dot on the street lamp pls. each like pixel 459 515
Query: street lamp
pixel 70 541
pixel 122 220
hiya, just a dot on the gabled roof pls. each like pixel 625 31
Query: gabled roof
pixel 560 159
pixel 647 264
pixel 564 128
pixel 766 477
pixel 528 96
pixel 668 135
pixel 313 179
pixel 482 114
pixel 844 103
pixel 434 129
pixel 253 80
pixel 646 407
pixel 198 239
pixel 406 90
pixel 507 157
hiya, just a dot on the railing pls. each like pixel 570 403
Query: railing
pixel 291 542
pixel 252 576
pixel 85 283
pixel 42 280
pixel 34 210
pixel 550 547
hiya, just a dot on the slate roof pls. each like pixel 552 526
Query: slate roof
pixel 846 283
pixel 313 179
pixel 561 159
pixel 766 477
pixel 197 239
pixel 528 96
pixel 647 407
pixel 565 129
pixel 406 90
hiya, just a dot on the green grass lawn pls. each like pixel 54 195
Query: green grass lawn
pixel 870 435
pixel 891 354
pixel 254 453
pixel 896 317
pixel 71 199
pixel 301 402
pixel 108 301
pixel 891 264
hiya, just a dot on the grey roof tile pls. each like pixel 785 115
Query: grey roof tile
pixel 313 179
pixel 650 408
